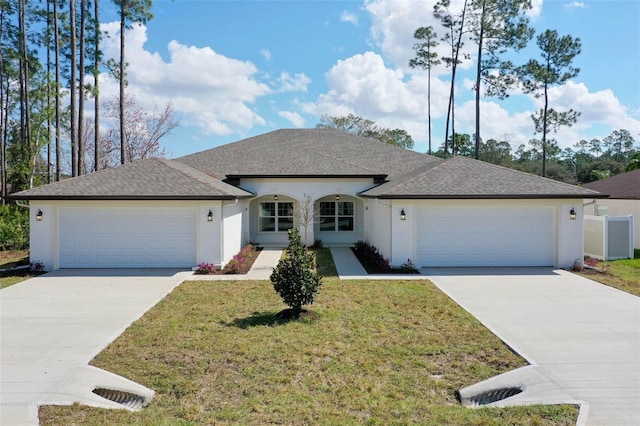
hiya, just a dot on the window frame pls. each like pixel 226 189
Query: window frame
pixel 277 206
pixel 337 215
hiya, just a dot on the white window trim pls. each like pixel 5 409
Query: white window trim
pixel 336 216
pixel 276 217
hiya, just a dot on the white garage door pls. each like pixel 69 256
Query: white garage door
pixel 486 236
pixel 127 237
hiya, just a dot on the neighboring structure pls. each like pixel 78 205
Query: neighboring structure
pixel 204 207
pixel 624 199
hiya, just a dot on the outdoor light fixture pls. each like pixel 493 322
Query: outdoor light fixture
pixel 403 215
pixel 39 215
pixel 337 197
pixel 275 197
pixel 210 216
pixel 572 214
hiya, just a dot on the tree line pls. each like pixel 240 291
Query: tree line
pixel 584 162
pixel 497 29
pixel 50 68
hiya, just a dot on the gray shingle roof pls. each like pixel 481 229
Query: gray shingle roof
pixel 461 177
pixel 306 152
pixel 624 185
pixel 143 179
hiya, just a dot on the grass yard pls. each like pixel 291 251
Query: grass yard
pixel 11 259
pixel 622 274
pixel 378 352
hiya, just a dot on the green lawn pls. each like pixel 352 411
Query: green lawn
pixel 622 274
pixel 377 352
pixel 10 259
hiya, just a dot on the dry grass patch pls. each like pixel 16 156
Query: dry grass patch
pixel 622 274
pixel 12 259
pixel 378 352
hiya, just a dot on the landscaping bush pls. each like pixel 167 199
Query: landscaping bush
pixel 295 278
pixel 14 228
pixel 374 263
pixel 206 269
pixel 371 259
pixel 242 262
pixel 239 265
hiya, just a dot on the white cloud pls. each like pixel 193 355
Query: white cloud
pixel 293 117
pixel 208 90
pixel 349 17
pixel 595 107
pixel 266 53
pixel 293 83
pixel 381 87
pixel 536 9
pixel 575 5
pixel 364 86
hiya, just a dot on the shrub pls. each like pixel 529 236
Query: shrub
pixel 295 278
pixel 14 228
pixel 371 259
pixel 206 269
pixel 36 266
pixel 241 262
pixel 408 267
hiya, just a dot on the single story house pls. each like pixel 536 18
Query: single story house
pixel 334 187
pixel 623 200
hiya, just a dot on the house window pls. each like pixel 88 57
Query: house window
pixel 337 216
pixel 276 216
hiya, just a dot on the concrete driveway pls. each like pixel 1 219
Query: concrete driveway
pixel 581 338
pixel 53 325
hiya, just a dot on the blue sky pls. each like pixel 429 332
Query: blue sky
pixel 238 68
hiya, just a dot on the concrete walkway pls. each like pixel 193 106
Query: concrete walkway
pixel 581 338
pixel 53 325
pixel 261 269
pixel 349 268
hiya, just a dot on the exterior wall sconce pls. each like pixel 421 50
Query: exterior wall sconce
pixel 39 215
pixel 572 214
pixel 403 215
pixel 210 216
pixel 337 197
pixel 275 197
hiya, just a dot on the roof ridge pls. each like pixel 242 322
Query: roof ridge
pixel 410 174
pixel 189 171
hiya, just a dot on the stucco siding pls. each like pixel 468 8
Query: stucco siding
pixel 565 234
pixel 45 235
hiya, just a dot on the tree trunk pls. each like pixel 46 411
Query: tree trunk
pixel 429 101
pixel 3 127
pixel 544 132
pixel 81 73
pixel 96 75
pixel 478 76
pixel 123 8
pixel 25 111
pixel 72 90
pixel 56 36
pixel 453 78
pixel 49 91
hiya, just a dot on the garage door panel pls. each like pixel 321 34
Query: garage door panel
pixel 485 236
pixel 120 237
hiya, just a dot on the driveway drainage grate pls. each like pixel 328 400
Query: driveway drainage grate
pixel 488 397
pixel 130 400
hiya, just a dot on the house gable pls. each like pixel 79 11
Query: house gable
pixel 622 186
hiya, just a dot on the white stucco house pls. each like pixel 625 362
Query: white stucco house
pixel 623 199
pixel 205 206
